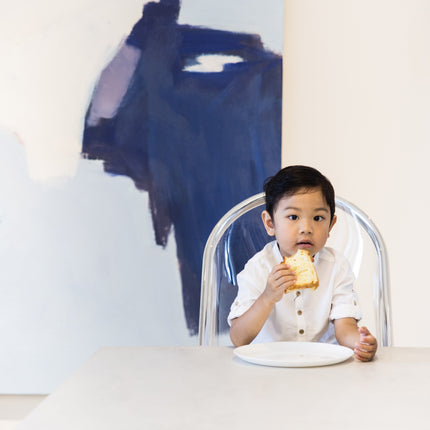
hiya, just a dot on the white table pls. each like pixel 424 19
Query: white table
pixel 191 388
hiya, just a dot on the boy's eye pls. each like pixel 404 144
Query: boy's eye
pixel 318 218
pixel 293 217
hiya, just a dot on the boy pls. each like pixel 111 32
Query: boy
pixel 300 206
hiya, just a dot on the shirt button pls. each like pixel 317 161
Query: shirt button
pixel 301 331
pixel 299 312
pixel 297 293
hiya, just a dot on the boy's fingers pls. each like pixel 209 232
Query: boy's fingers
pixel 365 349
pixel 368 340
pixel 364 331
pixel 364 355
pixel 365 346
pixel 361 357
pixel 366 337
pixel 281 270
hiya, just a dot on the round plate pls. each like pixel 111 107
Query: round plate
pixel 293 354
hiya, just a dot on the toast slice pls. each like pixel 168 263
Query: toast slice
pixel 302 264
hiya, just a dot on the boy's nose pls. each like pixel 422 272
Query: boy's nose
pixel 305 227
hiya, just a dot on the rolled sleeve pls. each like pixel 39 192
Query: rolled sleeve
pixel 249 291
pixel 345 301
pixel 238 309
pixel 345 311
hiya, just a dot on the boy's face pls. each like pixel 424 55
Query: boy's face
pixel 301 220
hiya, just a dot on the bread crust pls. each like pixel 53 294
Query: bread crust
pixel 302 264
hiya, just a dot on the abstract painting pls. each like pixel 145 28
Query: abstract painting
pixel 127 129
pixel 193 116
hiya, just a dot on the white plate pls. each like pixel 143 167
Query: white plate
pixel 293 354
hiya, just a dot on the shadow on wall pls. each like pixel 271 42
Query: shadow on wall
pixel 193 116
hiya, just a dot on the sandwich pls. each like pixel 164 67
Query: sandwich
pixel 302 264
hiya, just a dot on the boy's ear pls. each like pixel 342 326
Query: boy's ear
pixel 268 223
pixel 333 222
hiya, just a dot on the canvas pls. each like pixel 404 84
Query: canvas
pixel 119 152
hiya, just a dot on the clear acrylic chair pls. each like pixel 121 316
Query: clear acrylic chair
pixel 240 233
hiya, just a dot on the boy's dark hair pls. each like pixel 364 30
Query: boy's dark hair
pixel 291 179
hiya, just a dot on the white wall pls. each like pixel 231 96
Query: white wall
pixel 356 106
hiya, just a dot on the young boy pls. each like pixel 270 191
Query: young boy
pixel 300 206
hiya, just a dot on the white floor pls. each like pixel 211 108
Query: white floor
pixel 14 408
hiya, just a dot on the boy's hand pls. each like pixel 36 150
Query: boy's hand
pixel 365 349
pixel 281 278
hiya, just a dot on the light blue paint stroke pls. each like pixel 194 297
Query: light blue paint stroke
pixel 265 18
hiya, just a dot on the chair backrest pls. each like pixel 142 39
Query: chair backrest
pixel 240 233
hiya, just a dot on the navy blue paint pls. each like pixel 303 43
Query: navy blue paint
pixel 198 143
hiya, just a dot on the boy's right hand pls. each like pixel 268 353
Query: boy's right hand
pixel 280 278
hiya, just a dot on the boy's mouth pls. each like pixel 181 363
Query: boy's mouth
pixel 305 244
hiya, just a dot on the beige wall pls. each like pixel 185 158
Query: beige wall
pixel 356 106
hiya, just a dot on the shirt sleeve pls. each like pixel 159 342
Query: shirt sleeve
pixel 248 292
pixel 345 301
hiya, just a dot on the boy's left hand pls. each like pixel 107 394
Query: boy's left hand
pixel 365 349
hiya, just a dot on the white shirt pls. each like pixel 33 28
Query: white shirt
pixel 302 315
